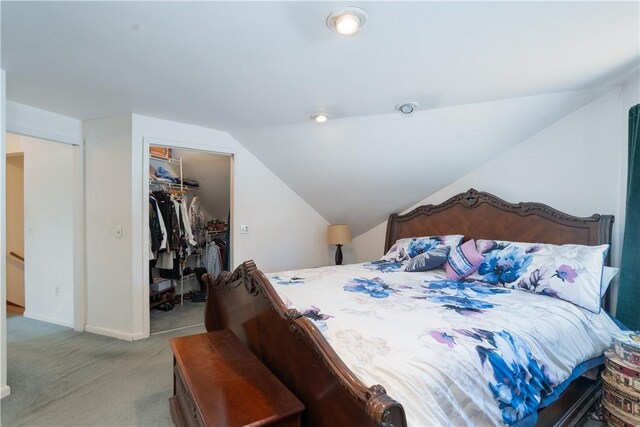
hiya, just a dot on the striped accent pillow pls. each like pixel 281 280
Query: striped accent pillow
pixel 463 260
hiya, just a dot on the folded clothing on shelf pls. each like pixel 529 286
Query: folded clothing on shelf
pixel 160 285
pixel 190 182
pixel 165 174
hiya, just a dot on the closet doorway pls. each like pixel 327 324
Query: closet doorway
pixel 189 232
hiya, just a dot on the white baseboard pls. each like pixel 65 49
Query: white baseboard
pixel 5 391
pixel 36 316
pixel 110 332
pixel 139 336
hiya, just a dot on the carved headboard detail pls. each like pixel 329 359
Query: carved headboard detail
pixel 480 215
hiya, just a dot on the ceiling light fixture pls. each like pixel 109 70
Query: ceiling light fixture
pixel 347 21
pixel 320 117
pixel 407 107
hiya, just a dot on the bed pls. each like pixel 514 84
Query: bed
pixel 291 341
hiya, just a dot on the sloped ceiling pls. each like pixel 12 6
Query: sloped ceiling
pixel 487 75
pixel 212 171
pixel 358 171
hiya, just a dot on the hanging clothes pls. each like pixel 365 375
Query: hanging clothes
pixel 155 234
pixel 165 260
pixel 161 223
pixel 172 273
pixel 175 231
pixel 212 260
pixel 198 222
pixel 165 207
pixel 157 228
pixel 187 224
pixel 222 245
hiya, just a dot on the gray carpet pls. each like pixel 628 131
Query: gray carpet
pixel 63 378
pixel 189 314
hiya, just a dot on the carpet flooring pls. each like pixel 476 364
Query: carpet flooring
pixel 59 377
pixel 189 314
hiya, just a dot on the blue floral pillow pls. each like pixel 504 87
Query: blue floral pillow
pixel 569 272
pixel 405 249
pixel 428 260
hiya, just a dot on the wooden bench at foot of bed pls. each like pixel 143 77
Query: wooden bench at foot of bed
pixel 218 382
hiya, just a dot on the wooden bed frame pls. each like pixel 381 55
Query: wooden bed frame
pixel 296 351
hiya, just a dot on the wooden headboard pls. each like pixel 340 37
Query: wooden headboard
pixel 480 215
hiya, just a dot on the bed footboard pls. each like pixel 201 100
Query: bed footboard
pixel 296 351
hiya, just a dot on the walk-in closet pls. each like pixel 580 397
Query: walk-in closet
pixel 189 218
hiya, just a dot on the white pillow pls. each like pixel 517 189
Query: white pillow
pixel 573 273
pixel 608 273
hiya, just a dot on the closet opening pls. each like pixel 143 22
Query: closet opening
pixel 189 232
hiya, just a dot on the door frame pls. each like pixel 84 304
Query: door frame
pixel 191 146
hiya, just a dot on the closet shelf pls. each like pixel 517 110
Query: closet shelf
pixel 166 160
pixel 167 295
pixel 170 185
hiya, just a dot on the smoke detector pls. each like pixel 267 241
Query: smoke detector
pixel 407 107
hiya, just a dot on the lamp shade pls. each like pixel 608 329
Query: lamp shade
pixel 338 234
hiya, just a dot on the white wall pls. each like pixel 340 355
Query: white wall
pixel 15 227
pixel 108 204
pixel 49 229
pixel 575 165
pixel 285 232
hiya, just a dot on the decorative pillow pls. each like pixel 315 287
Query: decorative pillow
pixel 428 260
pixel 569 272
pixel 405 249
pixel 463 260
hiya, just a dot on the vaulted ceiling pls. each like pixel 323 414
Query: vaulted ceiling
pixel 486 74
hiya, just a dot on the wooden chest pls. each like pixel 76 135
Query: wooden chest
pixel 219 382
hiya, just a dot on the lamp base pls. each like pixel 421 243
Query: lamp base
pixel 338 254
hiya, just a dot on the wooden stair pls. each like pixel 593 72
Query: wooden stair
pixel 15 308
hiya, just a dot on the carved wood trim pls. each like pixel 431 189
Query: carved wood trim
pixel 473 198
pixel 379 406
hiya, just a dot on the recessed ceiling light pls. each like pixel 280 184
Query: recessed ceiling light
pixel 407 107
pixel 320 117
pixel 347 21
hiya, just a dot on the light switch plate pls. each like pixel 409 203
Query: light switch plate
pixel 118 231
pixel 244 229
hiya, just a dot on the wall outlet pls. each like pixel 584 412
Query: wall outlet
pixel 57 290
pixel 244 229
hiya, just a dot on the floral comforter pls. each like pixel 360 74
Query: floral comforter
pixel 453 353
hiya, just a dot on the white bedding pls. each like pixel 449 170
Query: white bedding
pixel 453 353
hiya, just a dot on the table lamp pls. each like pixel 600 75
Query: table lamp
pixel 338 234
